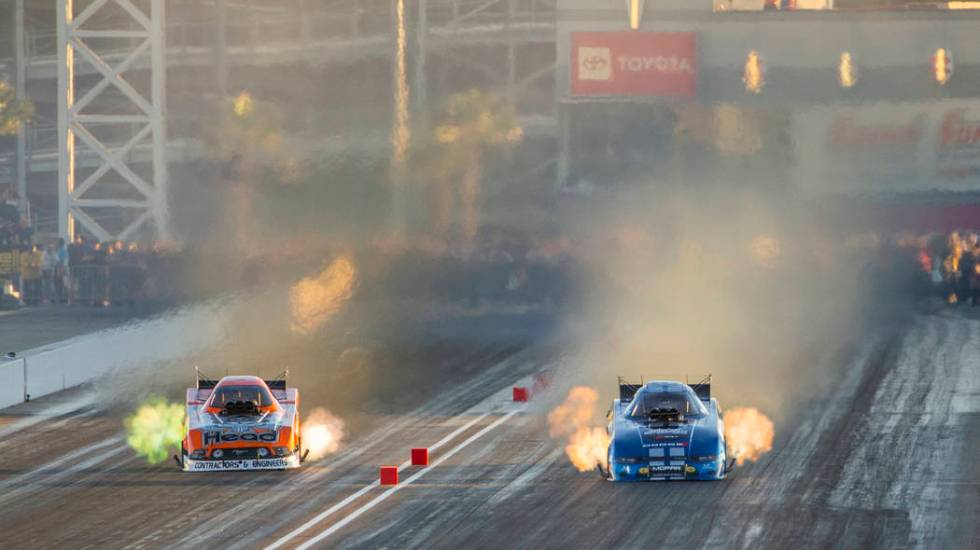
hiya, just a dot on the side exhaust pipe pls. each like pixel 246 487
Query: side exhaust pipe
pixel 730 466
pixel 303 457
pixel 180 466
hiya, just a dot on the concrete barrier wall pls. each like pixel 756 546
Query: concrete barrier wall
pixel 11 382
pixel 69 363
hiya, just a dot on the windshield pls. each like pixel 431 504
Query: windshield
pixel 258 395
pixel 686 403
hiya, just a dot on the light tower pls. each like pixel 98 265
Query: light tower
pixel 125 132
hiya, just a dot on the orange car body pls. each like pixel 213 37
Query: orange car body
pixel 241 423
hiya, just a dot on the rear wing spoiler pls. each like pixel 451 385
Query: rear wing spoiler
pixel 206 385
pixel 277 383
pixel 703 388
pixel 629 387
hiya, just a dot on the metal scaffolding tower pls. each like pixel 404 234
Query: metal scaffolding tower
pixel 144 32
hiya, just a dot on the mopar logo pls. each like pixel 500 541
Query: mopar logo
pixel 210 438
pixel 665 469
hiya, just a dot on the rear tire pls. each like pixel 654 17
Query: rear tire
pixel 607 473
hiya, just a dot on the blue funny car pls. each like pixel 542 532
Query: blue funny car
pixel 665 430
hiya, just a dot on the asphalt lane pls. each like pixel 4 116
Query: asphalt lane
pixel 885 459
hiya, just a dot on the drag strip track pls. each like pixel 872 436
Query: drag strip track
pixel 886 458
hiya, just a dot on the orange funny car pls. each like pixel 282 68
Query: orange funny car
pixel 241 423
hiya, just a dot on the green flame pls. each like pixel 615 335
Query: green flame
pixel 155 429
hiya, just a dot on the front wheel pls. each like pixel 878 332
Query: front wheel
pixel 183 458
pixel 606 472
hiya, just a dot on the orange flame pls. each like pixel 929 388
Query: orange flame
pixel 754 75
pixel 314 300
pixel 322 433
pixel 587 446
pixel 749 433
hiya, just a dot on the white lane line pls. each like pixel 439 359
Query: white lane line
pixel 66 458
pixel 333 509
pixel 14 482
pixel 380 498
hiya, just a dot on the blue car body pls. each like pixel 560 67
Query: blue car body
pixel 666 430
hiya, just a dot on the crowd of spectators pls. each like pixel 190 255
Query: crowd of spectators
pixel 84 272
pixel 954 266
pixel 935 265
pixel 36 270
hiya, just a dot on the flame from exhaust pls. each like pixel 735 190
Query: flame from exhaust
pixel 749 433
pixel 322 433
pixel 155 429
pixel 314 300
pixel 587 446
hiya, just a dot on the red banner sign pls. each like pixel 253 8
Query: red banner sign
pixel 657 64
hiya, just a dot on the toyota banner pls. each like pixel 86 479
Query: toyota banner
pixel 642 64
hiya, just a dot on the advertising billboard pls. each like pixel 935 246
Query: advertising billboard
pixel 889 147
pixel 638 64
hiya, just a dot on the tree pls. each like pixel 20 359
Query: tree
pixel 249 130
pixel 13 112
pixel 475 122
pixel 246 137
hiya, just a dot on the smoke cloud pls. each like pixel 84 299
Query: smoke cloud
pixel 748 284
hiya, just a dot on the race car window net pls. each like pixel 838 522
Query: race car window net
pixel 649 403
pixel 241 394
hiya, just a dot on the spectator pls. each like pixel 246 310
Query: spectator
pixel 24 236
pixel 99 283
pixel 76 257
pixel 30 274
pixel 968 271
pixel 61 272
pixel 49 268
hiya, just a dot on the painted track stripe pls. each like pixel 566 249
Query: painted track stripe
pixel 66 458
pixel 333 509
pixel 46 414
pixel 378 499
pixel 77 467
